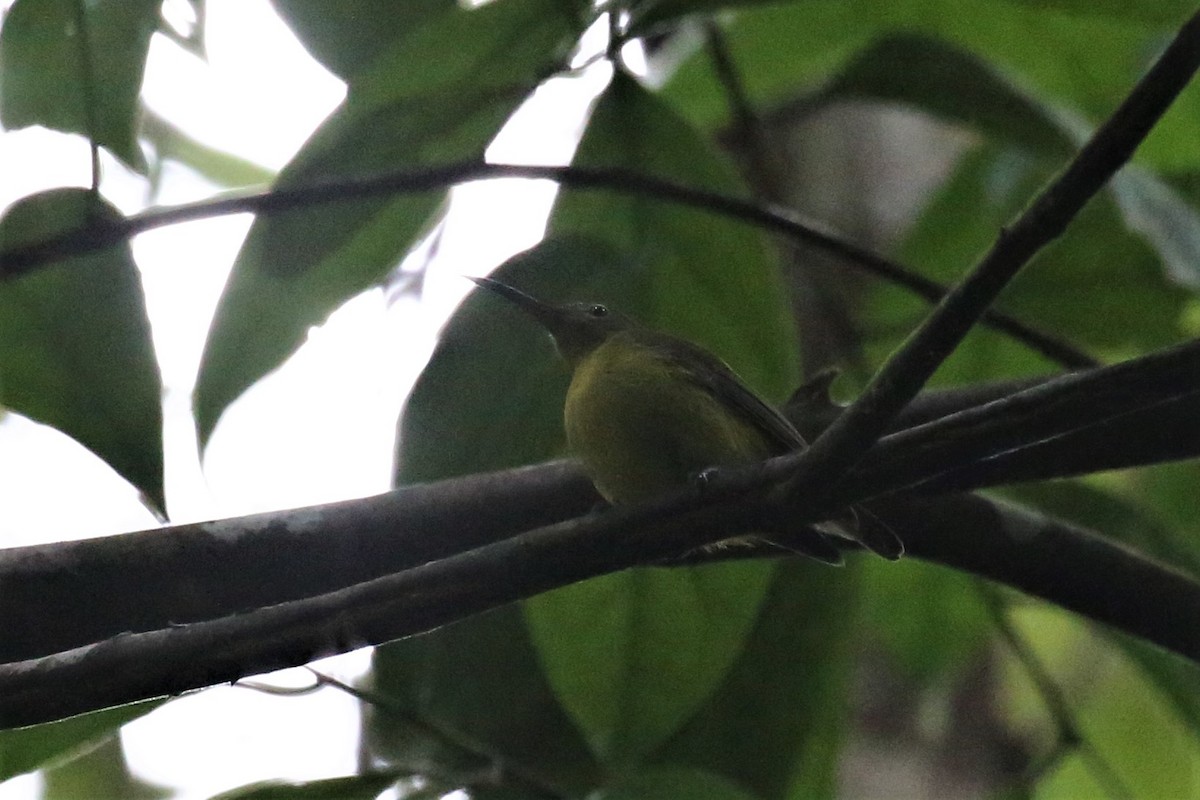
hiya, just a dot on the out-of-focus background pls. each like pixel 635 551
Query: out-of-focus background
pixel 916 131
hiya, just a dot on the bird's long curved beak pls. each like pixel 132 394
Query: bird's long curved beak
pixel 549 316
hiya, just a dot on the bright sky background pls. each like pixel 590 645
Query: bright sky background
pixel 317 430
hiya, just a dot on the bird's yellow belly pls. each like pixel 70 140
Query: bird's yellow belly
pixel 641 428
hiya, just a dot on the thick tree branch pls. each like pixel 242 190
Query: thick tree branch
pixel 1025 550
pixel 191 572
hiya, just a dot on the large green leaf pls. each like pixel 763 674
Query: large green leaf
pixel 957 86
pixel 345 36
pixel 41 746
pixel 646 14
pixel 928 618
pixel 45 80
pixel 632 656
pixel 75 347
pixel 471 697
pixel 1120 714
pixel 1083 62
pixel 100 772
pixel 776 723
pixel 439 93
pixel 1099 285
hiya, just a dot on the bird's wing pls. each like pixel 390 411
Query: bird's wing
pixel 716 377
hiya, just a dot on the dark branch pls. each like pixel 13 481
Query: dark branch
pixel 848 439
pixel 18 261
pixel 1025 550
pixel 192 572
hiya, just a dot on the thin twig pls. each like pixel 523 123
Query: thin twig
pixel 1069 733
pixel 18 261
pixel 491 764
pixel 87 80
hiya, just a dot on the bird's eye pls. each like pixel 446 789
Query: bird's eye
pixel 598 311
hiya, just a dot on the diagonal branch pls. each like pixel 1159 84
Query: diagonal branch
pixel 848 439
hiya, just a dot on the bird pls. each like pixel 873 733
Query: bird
pixel 647 412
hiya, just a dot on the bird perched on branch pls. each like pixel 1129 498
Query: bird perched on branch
pixel 646 412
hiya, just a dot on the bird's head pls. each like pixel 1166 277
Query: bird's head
pixel 577 328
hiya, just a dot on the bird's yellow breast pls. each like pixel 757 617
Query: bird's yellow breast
pixel 640 426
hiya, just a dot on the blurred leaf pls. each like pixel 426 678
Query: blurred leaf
pixel 788 49
pixel 45 81
pixel 647 15
pixel 101 772
pixel 491 397
pixel 1115 517
pixel 75 347
pixel 775 725
pixel 954 85
pixel 1119 301
pixel 701 276
pixel 927 616
pixel 473 698
pixel 1173 675
pixel 1166 12
pixel 352 787
pixel 43 746
pixel 224 169
pixel 673 783
pixel 345 36
pixel 439 94
pixel 661 641
pixel 632 655
pixel 1119 713
pixel 957 86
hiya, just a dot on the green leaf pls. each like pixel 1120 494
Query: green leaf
pixel 1120 714
pixel 648 15
pixel 673 783
pixel 75 346
pixel 957 86
pixel 902 599
pixel 43 746
pixel 351 787
pixel 47 81
pixel 471 697
pixel 101 772
pixel 776 723
pixel 1098 285
pixel 1174 676
pixel 347 35
pixel 439 94
pixel 1165 12
pixel 632 656
pixel 1123 519
pixel 698 275
pixel 789 49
